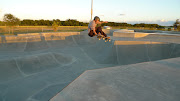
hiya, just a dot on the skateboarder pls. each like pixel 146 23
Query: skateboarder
pixel 93 30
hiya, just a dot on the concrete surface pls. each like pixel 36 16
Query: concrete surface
pixel 36 66
pixel 158 37
pixel 156 31
pixel 149 81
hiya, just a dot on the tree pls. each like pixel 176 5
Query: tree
pixel 177 24
pixel 1 23
pixel 55 26
pixel 11 21
pixel 57 21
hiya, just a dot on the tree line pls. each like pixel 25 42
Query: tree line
pixel 72 22
pixel 11 20
pixel 131 25
pixel 69 22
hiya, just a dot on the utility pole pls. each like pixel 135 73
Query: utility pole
pixel 91 8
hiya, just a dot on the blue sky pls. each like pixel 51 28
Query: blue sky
pixel 163 12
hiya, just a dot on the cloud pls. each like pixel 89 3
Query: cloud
pixel 163 20
pixel 165 23
pixel 121 14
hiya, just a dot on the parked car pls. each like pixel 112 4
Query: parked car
pixel 107 27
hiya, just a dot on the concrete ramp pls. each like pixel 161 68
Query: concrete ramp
pixel 162 37
pixel 150 81
pixel 36 66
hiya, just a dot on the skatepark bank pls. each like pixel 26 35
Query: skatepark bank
pixel 37 66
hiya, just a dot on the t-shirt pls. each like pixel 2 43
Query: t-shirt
pixel 92 26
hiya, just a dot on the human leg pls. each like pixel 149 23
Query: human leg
pixel 91 33
pixel 99 30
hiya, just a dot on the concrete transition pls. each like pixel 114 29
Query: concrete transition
pixel 71 66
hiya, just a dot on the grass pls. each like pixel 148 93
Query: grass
pixel 37 29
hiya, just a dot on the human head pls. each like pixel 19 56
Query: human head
pixel 96 18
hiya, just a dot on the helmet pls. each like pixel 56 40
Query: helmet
pixel 96 18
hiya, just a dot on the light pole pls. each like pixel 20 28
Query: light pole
pixel 91 8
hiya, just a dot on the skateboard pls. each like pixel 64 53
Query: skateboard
pixel 104 38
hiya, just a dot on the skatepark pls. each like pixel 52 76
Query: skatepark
pixel 71 66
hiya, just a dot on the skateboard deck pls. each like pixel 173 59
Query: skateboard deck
pixel 104 38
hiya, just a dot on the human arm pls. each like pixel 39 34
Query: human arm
pixel 94 31
pixel 101 22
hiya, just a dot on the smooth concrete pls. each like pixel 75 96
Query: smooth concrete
pixel 36 66
pixel 156 31
pixel 159 37
pixel 149 81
